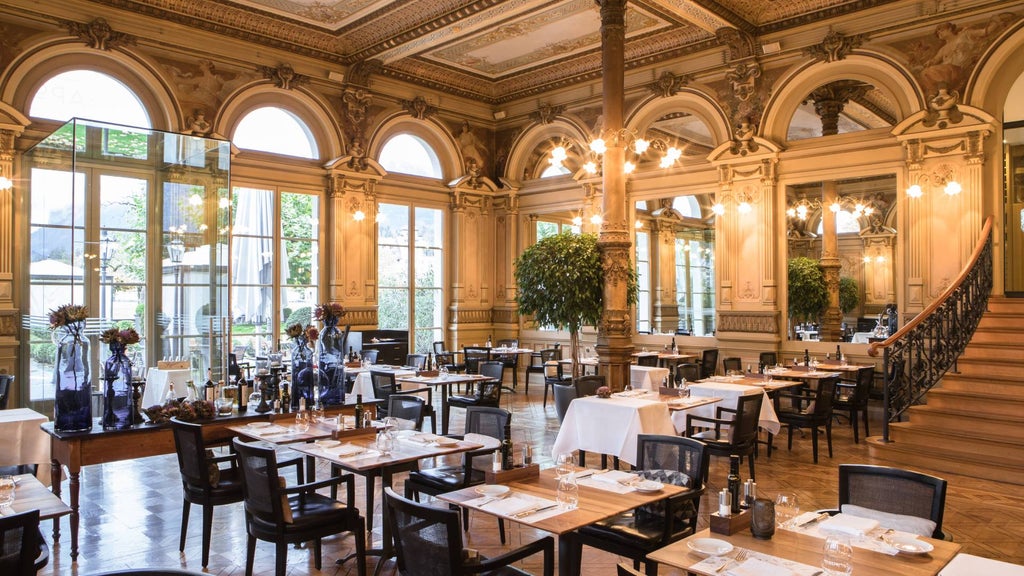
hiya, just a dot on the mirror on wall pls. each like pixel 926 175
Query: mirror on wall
pixel 675 257
pixel 863 238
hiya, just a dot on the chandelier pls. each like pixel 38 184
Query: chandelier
pixel 636 149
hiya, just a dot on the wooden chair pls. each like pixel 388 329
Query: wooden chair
pixel 203 481
pixel 649 360
pixel 446 358
pixel 708 362
pixel 808 409
pixel 768 359
pixel 740 439
pixel 667 459
pixel 20 544
pixel 689 371
pixel 289 515
pixel 852 398
pixel 734 363
pixel 428 542
pixel 894 490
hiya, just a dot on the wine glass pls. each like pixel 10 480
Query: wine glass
pixel 837 558
pixel 301 421
pixel 786 508
pixel 565 464
pixel 7 487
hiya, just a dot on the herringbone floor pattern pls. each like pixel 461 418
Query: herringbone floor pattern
pixel 131 510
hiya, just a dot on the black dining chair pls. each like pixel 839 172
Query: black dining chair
pixel 732 363
pixel 807 409
pixel 563 393
pixel 446 358
pixel 275 512
pixel 894 491
pixel 588 385
pixel 647 360
pixel 417 361
pixel 384 386
pixel 369 355
pixel 735 435
pixel 554 372
pixel 511 359
pixel 6 382
pixel 538 360
pixel 768 359
pixel 634 534
pixel 407 407
pixel 853 397
pixel 708 362
pixel 486 393
pixel 428 543
pixel 20 544
pixel 687 371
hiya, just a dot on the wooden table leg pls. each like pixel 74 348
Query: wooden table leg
pixel 73 484
pixel 55 470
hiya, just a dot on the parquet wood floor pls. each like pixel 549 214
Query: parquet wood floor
pixel 131 511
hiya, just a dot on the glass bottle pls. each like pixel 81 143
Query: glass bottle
pixel 734 483
pixel 807 357
pixel 286 399
pixel 506 448
pixel 359 411
pixel 209 389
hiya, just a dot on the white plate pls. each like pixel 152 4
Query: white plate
pixel 648 486
pixel 909 544
pixel 446 442
pixel 258 424
pixel 491 490
pixel 709 546
pixel 328 443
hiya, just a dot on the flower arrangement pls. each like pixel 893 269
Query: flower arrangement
pixel 184 410
pixel 329 312
pixel 113 335
pixel 604 392
pixel 295 330
pixel 67 314
pixel 312 334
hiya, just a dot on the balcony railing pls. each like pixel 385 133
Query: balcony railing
pixel 919 354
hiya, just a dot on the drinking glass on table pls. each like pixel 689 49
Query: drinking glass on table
pixel 301 421
pixel 837 558
pixel 565 464
pixel 6 493
pixel 786 508
pixel 568 492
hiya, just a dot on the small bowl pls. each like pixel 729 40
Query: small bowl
pixel 443 442
pixel 709 546
pixel 648 486
pixel 491 490
pixel 908 544
pixel 327 443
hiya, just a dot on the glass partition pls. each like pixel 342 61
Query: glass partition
pixel 133 224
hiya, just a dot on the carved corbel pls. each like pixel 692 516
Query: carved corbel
pixel 546 114
pixel 99 35
pixel 418 108
pixel 835 46
pixel 668 84
pixel 284 76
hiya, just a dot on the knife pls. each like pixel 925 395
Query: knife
pixel 817 518
pixel 531 511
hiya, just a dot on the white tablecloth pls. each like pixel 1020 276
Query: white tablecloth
pixel 647 377
pixel 862 337
pixel 610 425
pixel 362 384
pixel 24 442
pixel 158 382
pixel 729 393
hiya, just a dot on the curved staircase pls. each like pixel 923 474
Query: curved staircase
pixel 973 422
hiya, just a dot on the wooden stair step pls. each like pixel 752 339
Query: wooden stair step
pixel 1009 451
pixel 983 385
pixel 999 321
pixel 976 400
pixel 983 368
pixel 1005 351
pixel 1003 336
pixel 955 421
pixel 1003 305
pixel 939 459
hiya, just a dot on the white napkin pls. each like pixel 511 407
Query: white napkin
pixel 614 477
pixel 344 450
pixel 847 524
pixel 756 567
pixel 512 505
pixel 606 486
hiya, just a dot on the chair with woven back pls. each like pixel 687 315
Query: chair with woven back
pixel 688 371
pixel 708 362
pixel 446 358
pixel 275 512
pixel 588 385
pixel 428 543
pixel 809 409
pixel 634 534
pixel 902 499
pixel 735 435
pixel 852 398
pixel 474 356
pixel 384 386
pixel 563 393
pixel 6 382
pixel 510 359
pixel 407 408
pixel 647 360
pixel 417 361
pixel 768 359
pixel 554 372
pixel 20 543
pixel 732 364
pixel 369 355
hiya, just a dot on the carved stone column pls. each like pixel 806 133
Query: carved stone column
pixel 830 99
pixel 831 326
pixel 8 313
pixel 614 335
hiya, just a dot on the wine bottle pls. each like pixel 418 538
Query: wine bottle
pixel 839 354
pixel 359 411
pixel 506 447
pixel 807 357
pixel 734 483
pixel 430 361
pixel 286 399
pixel 489 341
pixel 675 348
pixel 209 389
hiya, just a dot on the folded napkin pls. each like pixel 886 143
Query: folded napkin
pixel 344 450
pixel 606 486
pixel 614 477
pixel 900 522
pixel 513 505
pixel 848 524
pixel 757 567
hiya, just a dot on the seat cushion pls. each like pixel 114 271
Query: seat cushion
pixel 444 477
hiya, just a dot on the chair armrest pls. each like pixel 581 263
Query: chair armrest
pixel 297 462
pixel 429 390
pixel 227 458
pixel 716 421
pixel 719 410
pixel 671 503
pixel 347 479
pixel 545 545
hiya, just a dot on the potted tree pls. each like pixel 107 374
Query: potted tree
pixel 807 293
pixel 560 281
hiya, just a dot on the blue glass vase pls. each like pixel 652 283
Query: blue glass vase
pixel 72 402
pixel 117 373
pixel 331 348
pixel 302 373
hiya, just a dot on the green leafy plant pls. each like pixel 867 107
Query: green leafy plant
pixel 560 281
pixel 808 294
pixel 849 294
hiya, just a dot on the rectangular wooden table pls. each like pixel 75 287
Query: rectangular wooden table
pixel 594 505
pixel 808 550
pixel 445 382
pixel 31 494
pixel 23 441
pixel 98 446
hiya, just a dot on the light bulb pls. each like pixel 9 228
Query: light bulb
pixel 358 215
pixel 597 146
pixel 590 167
pixel 801 212
pixel 195 200
pixel 596 219
pixel 791 212
pixel 867 259
pixel 641 145
pixel 628 167
pixel 638 224
pixel 744 207
pixel 835 207
pixel 952 188
pixel 914 191
pixel 558 155
pixel 577 221
pixel 718 208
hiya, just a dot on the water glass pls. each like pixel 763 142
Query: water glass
pixel 568 492
pixel 837 558
pixel 6 491
pixel 301 421
pixel 786 508
pixel 385 442
pixel 565 464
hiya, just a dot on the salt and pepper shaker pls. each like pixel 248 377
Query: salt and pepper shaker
pixel 496 461
pixel 724 501
pixel 749 493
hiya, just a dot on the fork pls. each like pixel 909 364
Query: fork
pixel 738 559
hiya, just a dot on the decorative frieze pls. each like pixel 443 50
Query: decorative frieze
pixel 99 35
pixel 757 322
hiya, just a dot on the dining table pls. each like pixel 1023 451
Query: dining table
pixel 792 553
pixel 729 389
pixel 361 383
pixel 360 455
pixel 594 504
pixel 586 424
pixel 445 382
pixel 647 377
pixel 24 442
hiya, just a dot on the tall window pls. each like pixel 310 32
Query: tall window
pixel 276 130
pixel 275 240
pixel 410 272
pixel 547 228
pixel 695 276
pixel 410 154
pixel 643 277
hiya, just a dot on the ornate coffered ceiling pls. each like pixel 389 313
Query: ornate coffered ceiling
pixel 494 50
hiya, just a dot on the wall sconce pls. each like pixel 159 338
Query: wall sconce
pixel 358 215
pixel 744 203
pixel 596 220
pixel 853 204
pixel 635 146
pixel 577 221
pixel 6 183
pixel 944 177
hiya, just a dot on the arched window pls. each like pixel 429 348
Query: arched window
pixel 686 206
pixel 554 170
pixel 846 223
pixel 410 154
pixel 275 130
pixel 88 94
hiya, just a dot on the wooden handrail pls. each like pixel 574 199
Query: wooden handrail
pixel 986 230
